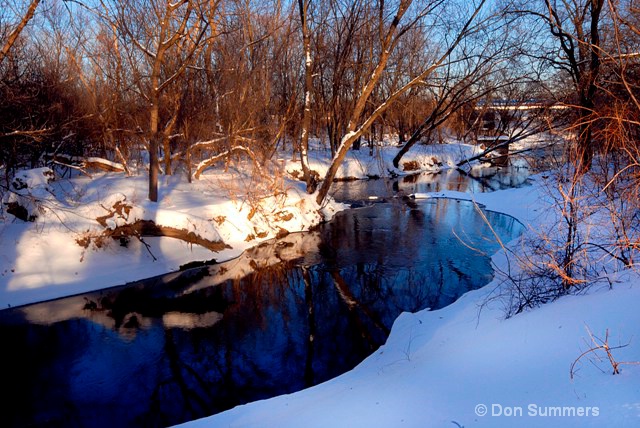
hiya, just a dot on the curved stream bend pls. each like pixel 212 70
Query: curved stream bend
pixel 284 316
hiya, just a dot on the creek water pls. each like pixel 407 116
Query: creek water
pixel 284 316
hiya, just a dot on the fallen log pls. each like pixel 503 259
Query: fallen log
pixel 83 163
pixel 496 147
pixel 145 228
pixel 142 228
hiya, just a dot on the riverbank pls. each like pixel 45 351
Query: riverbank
pixel 66 249
pixel 466 365
pixel 62 252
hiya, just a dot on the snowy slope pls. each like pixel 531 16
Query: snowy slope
pixel 465 365
pixel 442 366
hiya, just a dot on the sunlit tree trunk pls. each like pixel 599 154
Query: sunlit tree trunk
pixel 352 132
pixel 153 144
pixel 13 36
pixel 303 6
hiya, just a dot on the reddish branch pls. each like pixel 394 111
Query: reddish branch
pixel 212 160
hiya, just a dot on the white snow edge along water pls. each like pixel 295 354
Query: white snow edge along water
pixel 43 260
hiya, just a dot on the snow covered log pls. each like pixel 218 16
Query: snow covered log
pixel 103 164
pixel 82 163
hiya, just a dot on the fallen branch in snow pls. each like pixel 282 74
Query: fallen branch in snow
pixel 140 228
pixel 103 164
pixel 77 168
pixel 212 160
pixel 82 164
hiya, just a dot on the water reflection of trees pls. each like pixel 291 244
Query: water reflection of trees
pixel 476 180
pixel 280 318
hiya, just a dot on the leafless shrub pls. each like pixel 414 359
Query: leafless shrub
pixel 598 347
pixel 411 166
pixel 584 237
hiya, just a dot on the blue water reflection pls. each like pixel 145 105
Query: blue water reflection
pixel 282 317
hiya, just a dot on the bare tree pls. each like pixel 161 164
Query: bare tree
pixel 390 33
pixel 347 48
pixel 575 27
pixel 480 70
pixel 169 37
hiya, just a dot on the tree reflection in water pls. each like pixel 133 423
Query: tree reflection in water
pixel 282 317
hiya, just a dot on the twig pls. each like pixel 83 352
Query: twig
pixel 601 345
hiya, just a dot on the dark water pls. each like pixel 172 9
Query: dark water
pixel 282 317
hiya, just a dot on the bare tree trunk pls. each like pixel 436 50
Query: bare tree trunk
pixel 309 177
pixel 167 39
pixel 352 135
pixel 415 137
pixel 582 55
pixel 585 149
pixel 16 32
pixel 154 166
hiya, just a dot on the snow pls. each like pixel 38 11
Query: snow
pixel 359 164
pixel 420 195
pixel 437 368
pixel 42 260
pixel 114 165
pixel 28 187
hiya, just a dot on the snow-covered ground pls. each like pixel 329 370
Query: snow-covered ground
pixel 43 259
pixel 464 365
pixel 360 164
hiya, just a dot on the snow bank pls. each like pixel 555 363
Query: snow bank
pixel 43 259
pixel 366 163
pixel 451 365
pixel 27 192
pixel 465 365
